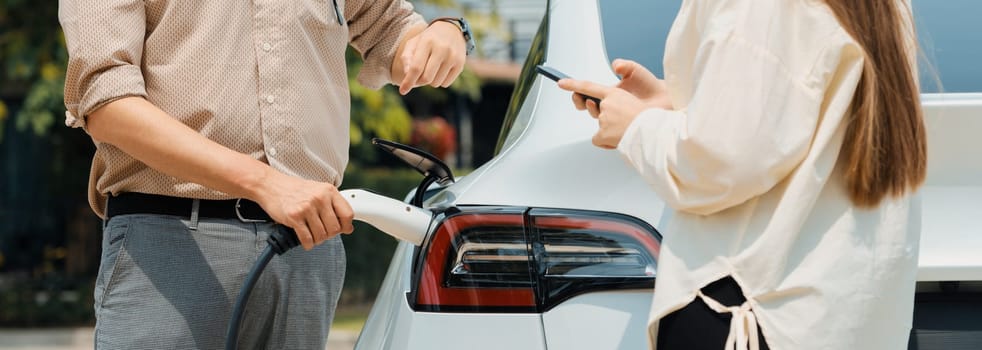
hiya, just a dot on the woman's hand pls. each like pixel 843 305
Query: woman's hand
pixel 617 109
pixel 638 90
pixel 641 83
pixel 637 80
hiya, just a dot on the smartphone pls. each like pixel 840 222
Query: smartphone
pixel 556 75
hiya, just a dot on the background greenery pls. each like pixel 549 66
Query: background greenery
pixel 49 238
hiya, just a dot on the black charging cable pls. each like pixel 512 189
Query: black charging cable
pixel 279 242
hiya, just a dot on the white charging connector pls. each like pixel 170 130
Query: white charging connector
pixel 397 219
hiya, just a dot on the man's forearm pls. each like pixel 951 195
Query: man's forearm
pixel 150 135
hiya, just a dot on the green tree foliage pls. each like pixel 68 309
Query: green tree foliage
pixel 33 56
pixel 374 113
pixel 381 113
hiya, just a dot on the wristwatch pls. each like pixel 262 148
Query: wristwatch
pixel 465 29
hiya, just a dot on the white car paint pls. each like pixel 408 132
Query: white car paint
pixel 392 324
pixel 548 161
pixel 951 220
pixel 606 320
pixel 555 145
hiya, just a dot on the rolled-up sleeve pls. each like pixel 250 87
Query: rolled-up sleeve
pixel 105 47
pixel 375 30
pixel 749 124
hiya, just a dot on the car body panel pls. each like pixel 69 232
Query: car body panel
pixel 548 161
pixel 392 324
pixel 476 331
pixel 951 199
pixel 601 321
pixel 386 325
pixel 581 176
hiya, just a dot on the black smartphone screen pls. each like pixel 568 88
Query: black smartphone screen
pixel 556 75
pixel 550 72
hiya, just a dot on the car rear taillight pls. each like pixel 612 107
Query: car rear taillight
pixel 577 252
pixel 519 260
pixel 477 261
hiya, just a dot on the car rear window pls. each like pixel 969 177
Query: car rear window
pixel 949 31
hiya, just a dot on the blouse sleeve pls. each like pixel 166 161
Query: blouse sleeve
pixel 749 124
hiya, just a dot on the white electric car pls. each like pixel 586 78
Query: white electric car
pixel 553 244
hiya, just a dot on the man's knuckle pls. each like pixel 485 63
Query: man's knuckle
pixel 333 228
pixel 296 216
pixel 305 238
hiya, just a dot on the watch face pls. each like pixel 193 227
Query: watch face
pixel 466 29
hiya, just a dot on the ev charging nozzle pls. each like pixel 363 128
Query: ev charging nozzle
pixel 397 219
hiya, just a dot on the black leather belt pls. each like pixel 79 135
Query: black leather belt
pixel 142 203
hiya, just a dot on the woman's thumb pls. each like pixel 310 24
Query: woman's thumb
pixel 623 67
pixel 632 70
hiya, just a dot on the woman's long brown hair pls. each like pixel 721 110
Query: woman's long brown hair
pixel 885 144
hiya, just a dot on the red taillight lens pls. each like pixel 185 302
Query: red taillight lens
pixel 583 247
pixel 577 252
pixel 490 260
pixel 477 262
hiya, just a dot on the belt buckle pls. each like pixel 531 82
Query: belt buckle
pixel 238 205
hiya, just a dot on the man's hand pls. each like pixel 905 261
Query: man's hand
pixel 619 108
pixel 314 210
pixel 434 57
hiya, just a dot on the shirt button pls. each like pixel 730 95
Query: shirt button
pixel 267 47
pixel 272 151
pixel 270 99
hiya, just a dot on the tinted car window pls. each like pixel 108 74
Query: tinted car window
pixel 950 34
pixel 537 55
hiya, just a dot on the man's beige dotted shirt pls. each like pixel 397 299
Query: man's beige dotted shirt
pixel 266 78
